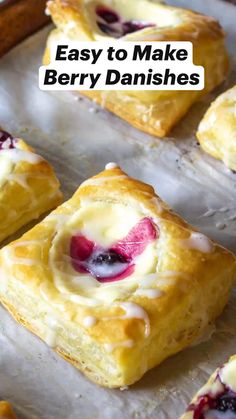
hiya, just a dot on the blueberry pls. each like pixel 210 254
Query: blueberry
pixel 134 26
pixel 108 258
pixel 130 27
pixel 226 403
pixel 108 265
pixel 107 29
pixel 109 16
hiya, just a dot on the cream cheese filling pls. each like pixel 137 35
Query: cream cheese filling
pixel 228 375
pixel 6 167
pixel 143 11
pixel 104 224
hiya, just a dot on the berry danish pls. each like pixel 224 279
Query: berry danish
pixel 151 111
pixel 217 399
pixel 28 185
pixel 114 281
pixel 217 130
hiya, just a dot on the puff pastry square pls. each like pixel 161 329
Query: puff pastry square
pixel 28 185
pixel 154 112
pixel 114 281
pixel 217 130
pixel 216 399
pixel 6 411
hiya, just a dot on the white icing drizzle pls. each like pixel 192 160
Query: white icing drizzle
pixel 52 332
pixel 24 261
pixel 16 155
pixel 110 347
pixel 158 204
pixel 10 258
pixel 59 219
pixel 198 241
pixel 6 167
pixel 214 388
pixel 149 293
pixel 89 321
pixel 111 165
pixel 134 311
pixel 79 299
pixel 20 178
pixel 51 338
pixel 228 374
pixel 162 279
pixel 27 243
pixel 100 181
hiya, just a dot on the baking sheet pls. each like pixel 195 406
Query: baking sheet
pixel 79 139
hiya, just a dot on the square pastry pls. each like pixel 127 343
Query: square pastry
pixel 153 111
pixel 217 398
pixel 28 185
pixel 114 281
pixel 217 130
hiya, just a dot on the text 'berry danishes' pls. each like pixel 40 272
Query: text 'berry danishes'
pixel 113 66
pixel 113 77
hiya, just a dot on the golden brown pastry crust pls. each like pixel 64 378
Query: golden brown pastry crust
pixel 154 112
pixel 217 130
pixel 115 340
pixel 6 411
pixel 28 188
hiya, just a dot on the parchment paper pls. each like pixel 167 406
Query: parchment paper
pixel 79 139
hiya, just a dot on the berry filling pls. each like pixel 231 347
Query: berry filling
pixel 219 406
pixel 6 141
pixel 112 24
pixel 226 403
pixel 117 262
pixel 107 15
